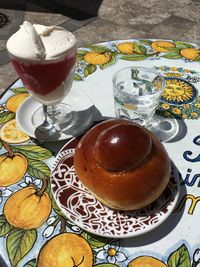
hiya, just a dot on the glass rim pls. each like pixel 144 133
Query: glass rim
pixel 150 70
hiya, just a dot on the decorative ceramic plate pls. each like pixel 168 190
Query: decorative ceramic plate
pixel 82 104
pixel 88 213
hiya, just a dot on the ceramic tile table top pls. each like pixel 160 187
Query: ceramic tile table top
pixel 41 227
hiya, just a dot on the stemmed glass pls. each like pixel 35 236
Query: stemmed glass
pixel 48 82
pixel 137 93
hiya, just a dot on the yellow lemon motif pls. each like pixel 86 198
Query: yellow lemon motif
pixel 66 249
pixel 177 111
pixel 194 115
pixel 12 169
pixel 165 106
pixel 126 48
pixel 162 46
pixel 186 70
pixel 10 133
pixel 190 53
pixel 15 101
pixel 97 58
pixel 27 210
pixel 146 261
pixel 186 106
pixel 173 69
pixel 197 105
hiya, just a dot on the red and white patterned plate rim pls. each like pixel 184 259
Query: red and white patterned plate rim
pixel 82 208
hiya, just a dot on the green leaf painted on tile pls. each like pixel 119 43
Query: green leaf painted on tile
pixel 172 55
pixel 94 241
pixel 183 45
pixel 81 52
pixel 140 49
pixel 31 263
pixel 80 58
pixel 33 151
pixel 54 204
pixel 86 72
pixel 173 49
pixel 57 209
pixel 5 227
pixel 6 116
pixel 89 69
pixel 110 62
pixel 179 258
pixel 38 169
pixel 145 42
pixel 19 243
pixel 77 77
pixel 197 59
pixel 99 48
pixel 134 57
pixel 19 90
pixel 1 145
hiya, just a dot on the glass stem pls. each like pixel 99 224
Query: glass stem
pixel 47 122
pixel 53 110
pixel 45 112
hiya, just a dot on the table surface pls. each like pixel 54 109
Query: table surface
pixel 173 243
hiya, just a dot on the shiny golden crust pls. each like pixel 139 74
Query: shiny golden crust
pixel 123 190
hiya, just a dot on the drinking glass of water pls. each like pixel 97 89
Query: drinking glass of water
pixel 137 92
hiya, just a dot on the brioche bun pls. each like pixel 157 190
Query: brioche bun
pixel 122 164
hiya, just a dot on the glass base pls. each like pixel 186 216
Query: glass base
pixel 165 129
pixel 61 116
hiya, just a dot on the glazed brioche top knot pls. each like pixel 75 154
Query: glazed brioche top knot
pixel 122 147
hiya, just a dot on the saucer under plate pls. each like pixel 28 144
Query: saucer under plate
pixel 81 104
pixel 84 210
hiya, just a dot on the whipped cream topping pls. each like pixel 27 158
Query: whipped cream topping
pixel 38 42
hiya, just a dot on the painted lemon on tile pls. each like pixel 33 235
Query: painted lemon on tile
pixel 97 58
pixel 11 133
pixel 190 53
pixel 12 168
pixel 66 249
pixel 15 101
pixel 146 261
pixel 126 48
pixel 27 209
pixel 162 46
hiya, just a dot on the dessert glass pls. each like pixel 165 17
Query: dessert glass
pixel 49 81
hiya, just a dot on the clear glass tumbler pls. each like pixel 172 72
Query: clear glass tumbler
pixel 137 92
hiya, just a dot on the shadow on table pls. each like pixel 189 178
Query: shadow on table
pixel 162 230
pixel 85 120
pixel 168 130
pixel 91 116
pixel 13 12
pixel 181 131
pixel 79 9
pixel 2 262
